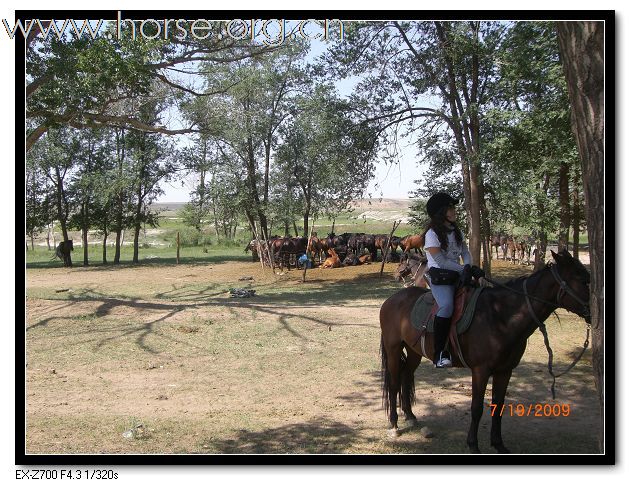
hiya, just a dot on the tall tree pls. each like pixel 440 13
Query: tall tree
pixel 408 69
pixel 37 206
pixel 151 163
pixel 87 81
pixel 246 118
pixel 325 153
pixel 582 47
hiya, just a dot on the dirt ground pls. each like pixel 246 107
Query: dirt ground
pixel 159 359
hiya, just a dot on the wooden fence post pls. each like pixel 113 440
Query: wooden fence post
pixel 308 247
pixel 396 224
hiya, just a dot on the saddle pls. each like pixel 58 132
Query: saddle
pixel 426 307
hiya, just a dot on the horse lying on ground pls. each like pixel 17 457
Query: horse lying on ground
pixel 333 261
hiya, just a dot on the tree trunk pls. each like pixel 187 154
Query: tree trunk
pixel 84 231
pixel 104 246
pixel 120 154
pixel 582 51
pixel 136 240
pixel 62 214
pixel 485 226
pixel 306 216
pixel 539 260
pixel 85 246
pixel 577 214
pixel 118 244
pixel 32 243
pixel 137 229
pixel 565 212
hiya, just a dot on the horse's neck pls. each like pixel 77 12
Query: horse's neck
pixel 541 286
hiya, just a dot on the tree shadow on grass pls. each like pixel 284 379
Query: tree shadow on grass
pixel 568 425
pixel 319 435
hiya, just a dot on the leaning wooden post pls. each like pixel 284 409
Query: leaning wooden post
pixel 308 247
pixel 177 247
pixel 389 238
pixel 261 253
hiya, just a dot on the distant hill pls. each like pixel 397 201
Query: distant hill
pixel 377 209
pixel 168 206
pixel 359 204
pixel 383 204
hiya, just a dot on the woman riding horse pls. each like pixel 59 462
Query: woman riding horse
pixel 493 345
pixel 444 245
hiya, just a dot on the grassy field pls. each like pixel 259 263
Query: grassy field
pixel 157 358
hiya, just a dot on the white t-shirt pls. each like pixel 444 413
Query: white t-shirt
pixel 453 251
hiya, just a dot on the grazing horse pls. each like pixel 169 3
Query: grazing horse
pixel 415 241
pixel 493 345
pixel 414 265
pixel 63 252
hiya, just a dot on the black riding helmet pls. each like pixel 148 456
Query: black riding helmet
pixel 439 200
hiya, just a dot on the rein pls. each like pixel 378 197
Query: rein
pixel 413 278
pixel 564 288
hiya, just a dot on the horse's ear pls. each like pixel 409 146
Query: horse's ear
pixel 555 257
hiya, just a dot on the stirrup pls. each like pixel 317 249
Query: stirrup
pixel 443 361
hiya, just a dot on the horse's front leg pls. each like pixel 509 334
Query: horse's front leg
pixel 500 381
pixel 480 377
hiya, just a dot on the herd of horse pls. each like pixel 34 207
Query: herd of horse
pixel 334 251
pixel 351 249
pixel 516 249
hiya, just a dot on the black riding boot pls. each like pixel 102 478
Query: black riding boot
pixel 441 325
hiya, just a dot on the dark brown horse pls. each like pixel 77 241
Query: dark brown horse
pixel 492 346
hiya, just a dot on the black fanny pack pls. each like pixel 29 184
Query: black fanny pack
pixel 441 276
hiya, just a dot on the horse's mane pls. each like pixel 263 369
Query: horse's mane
pixel 517 283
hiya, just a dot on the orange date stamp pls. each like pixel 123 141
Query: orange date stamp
pixel 537 410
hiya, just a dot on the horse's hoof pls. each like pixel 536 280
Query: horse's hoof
pixel 411 422
pixel 394 433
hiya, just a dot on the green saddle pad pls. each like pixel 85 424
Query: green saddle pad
pixel 421 312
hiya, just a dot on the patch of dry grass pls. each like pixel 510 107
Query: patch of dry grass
pixel 295 369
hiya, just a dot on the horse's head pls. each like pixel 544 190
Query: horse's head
pixel 404 268
pixel 574 280
pixel 69 245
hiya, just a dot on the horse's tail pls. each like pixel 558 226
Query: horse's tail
pixel 385 377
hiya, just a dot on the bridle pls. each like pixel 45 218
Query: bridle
pixel 564 289
pixel 413 278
